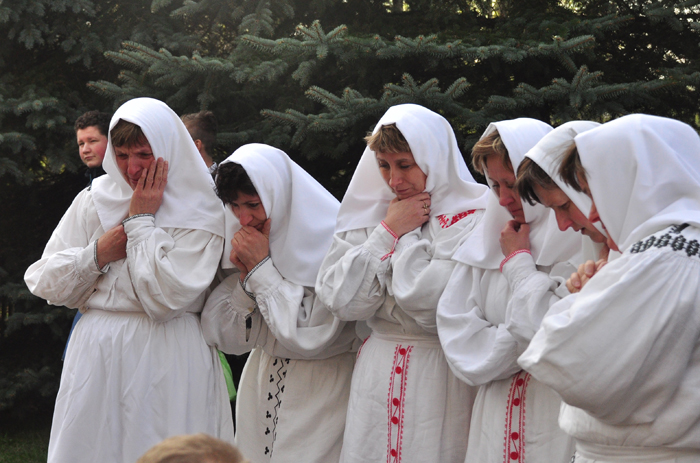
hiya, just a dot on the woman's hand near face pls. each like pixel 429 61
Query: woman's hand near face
pixel 233 257
pixel 251 246
pixel 148 194
pixel 514 237
pixel 111 246
pixel 408 214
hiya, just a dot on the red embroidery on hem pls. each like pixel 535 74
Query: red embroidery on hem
pixel 396 403
pixel 447 221
pixel 514 444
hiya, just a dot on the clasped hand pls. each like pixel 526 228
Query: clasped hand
pixel 249 247
pixel 586 271
pixel 407 214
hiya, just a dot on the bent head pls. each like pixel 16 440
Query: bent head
pixel 574 175
pixel 133 153
pixel 535 185
pixel 236 190
pixel 490 157
pixel 396 163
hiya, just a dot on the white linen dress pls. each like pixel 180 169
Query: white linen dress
pixel 299 412
pixel 485 321
pixel 405 403
pixel 137 368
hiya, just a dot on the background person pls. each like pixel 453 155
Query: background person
pixel 294 390
pixel 91 133
pixel 623 353
pixel 510 270
pixel 409 205
pixel 136 253
pixel 202 126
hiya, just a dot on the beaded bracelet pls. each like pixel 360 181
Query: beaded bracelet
pixel 396 240
pixel 513 254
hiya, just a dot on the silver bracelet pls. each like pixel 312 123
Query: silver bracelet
pixel 145 214
pixel 94 257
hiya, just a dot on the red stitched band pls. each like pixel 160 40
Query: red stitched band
pixel 396 240
pixel 513 254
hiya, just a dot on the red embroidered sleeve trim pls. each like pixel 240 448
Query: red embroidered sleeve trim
pixel 396 240
pixel 447 221
pixel 396 402
pixel 514 444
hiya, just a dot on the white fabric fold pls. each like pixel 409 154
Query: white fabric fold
pixel 302 212
pixel 189 200
pixel 434 147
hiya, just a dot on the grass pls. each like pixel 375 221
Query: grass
pixel 24 444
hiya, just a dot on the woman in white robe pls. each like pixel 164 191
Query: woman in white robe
pixel 405 404
pixel 624 353
pixel 137 369
pixel 486 318
pixel 293 393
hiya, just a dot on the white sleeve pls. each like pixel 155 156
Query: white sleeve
pixel 293 313
pixel 67 270
pixel 352 278
pixel 533 292
pixel 477 350
pixel 621 348
pixel 419 276
pixel 169 271
pixel 225 315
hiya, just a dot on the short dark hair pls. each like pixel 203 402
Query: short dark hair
pixel 202 126
pixel 529 175
pixel 127 134
pixel 93 119
pixel 571 170
pixel 232 179
pixel 488 146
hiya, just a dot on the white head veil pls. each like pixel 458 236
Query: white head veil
pixel 189 200
pixel 302 213
pixel 547 244
pixel 644 175
pixel 548 154
pixel 434 147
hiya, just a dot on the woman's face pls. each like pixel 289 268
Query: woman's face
pixel 567 214
pixel 502 181
pixel 249 211
pixel 132 160
pixel 401 173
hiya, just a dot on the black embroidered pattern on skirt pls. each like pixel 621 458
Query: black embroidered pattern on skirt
pixel 274 396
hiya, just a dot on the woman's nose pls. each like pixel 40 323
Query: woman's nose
pixel 504 197
pixel 244 217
